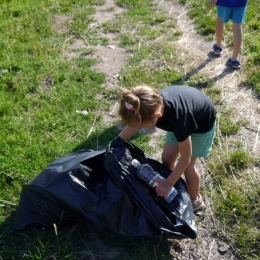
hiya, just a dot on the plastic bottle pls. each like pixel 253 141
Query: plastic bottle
pixel 147 174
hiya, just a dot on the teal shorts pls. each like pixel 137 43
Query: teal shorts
pixel 201 143
pixel 237 15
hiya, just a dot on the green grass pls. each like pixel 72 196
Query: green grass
pixel 40 92
pixel 41 88
pixel 226 126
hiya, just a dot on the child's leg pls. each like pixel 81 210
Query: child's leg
pixel 223 14
pixel 238 17
pixel 169 155
pixel 237 31
pixel 219 31
pixel 192 177
pixel 201 147
pixel 170 150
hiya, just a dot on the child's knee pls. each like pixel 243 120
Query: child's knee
pixel 168 161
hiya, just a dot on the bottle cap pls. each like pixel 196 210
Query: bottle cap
pixel 135 163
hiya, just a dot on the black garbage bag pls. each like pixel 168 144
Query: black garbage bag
pixel 102 186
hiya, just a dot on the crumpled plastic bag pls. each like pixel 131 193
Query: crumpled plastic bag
pixel 103 187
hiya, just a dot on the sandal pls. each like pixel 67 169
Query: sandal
pixel 198 204
pixel 235 64
pixel 217 49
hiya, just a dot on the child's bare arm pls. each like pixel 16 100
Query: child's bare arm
pixel 128 132
pixel 212 3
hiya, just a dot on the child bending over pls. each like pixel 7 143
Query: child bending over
pixel 187 115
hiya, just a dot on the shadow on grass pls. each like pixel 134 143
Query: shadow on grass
pixel 82 241
pixel 99 140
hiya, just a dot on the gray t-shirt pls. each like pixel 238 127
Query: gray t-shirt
pixel 186 110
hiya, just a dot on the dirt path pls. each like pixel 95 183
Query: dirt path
pixel 198 52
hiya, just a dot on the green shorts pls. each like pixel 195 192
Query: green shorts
pixel 201 143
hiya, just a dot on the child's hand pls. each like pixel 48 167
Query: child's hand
pixel 212 3
pixel 163 187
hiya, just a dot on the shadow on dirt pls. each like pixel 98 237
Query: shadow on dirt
pixel 205 83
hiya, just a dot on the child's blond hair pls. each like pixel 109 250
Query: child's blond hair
pixel 139 104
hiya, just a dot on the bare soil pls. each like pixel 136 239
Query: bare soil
pixel 198 54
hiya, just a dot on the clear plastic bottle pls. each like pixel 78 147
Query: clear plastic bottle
pixel 147 174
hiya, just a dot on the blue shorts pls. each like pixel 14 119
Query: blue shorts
pixel 237 15
pixel 201 143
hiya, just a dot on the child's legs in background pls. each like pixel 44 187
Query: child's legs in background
pixel 237 31
pixel 219 31
pixel 223 14
pixel 238 17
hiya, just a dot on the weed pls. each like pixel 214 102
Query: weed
pixel 214 94
pixel 240 160
pixel 227 126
